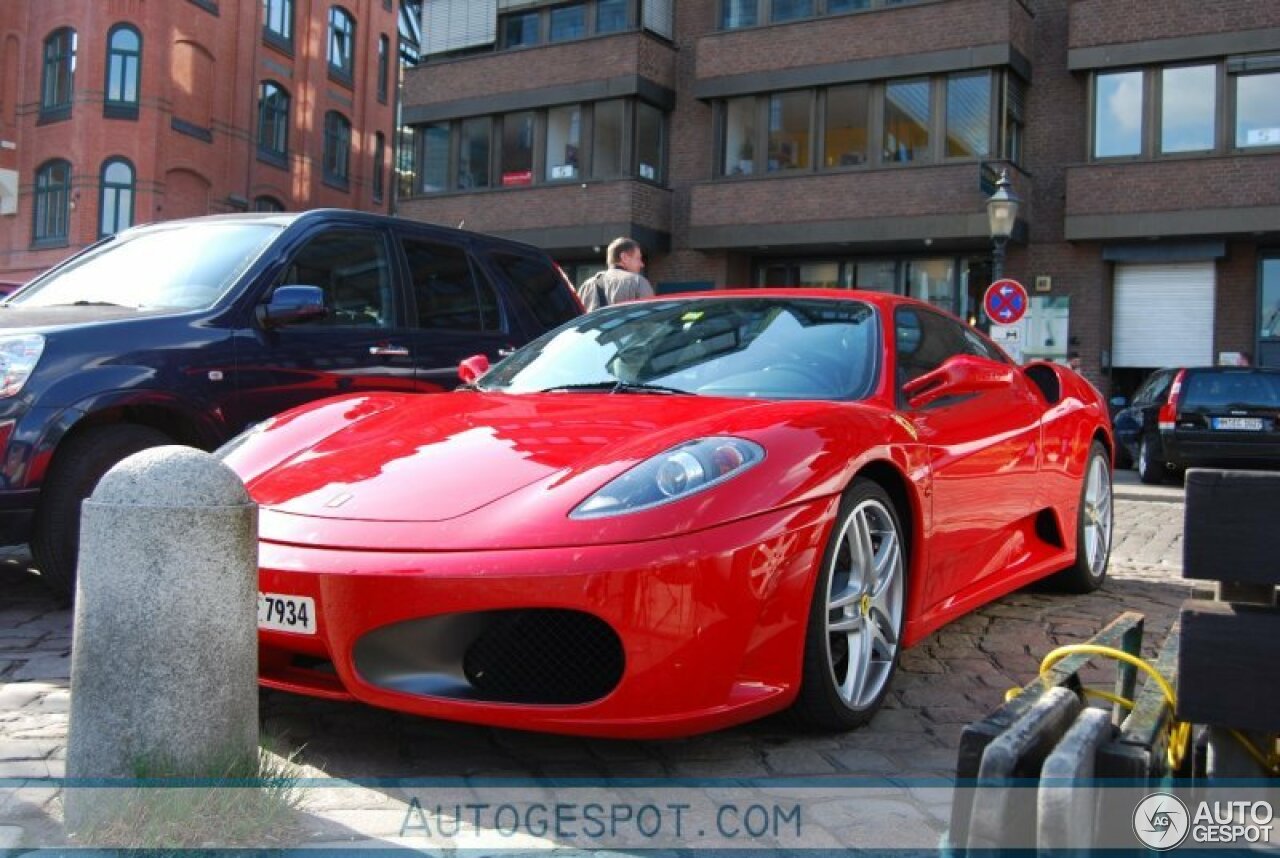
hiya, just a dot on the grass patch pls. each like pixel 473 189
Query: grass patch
pixel 247 803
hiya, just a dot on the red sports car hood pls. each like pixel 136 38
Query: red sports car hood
pixel 434 458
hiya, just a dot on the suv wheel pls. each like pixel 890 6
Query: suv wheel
pixel 1150 467
pixel 79 465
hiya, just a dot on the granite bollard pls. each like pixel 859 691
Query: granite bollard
pixel 164 650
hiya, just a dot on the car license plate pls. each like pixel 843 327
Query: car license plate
pixel 279 613
pixel 1245 424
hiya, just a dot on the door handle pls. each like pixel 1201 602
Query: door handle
pixel 388 350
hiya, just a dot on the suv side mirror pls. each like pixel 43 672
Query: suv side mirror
pixel 291 305
pixel 958 375
pixel 472 368
pixel 1119 401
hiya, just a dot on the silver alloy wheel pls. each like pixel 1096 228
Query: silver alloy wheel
pixel 864 604
pixel 1097 515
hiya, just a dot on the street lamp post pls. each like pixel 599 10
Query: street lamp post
pixel 1002 211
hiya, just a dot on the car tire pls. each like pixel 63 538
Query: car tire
pixel 80 464
pixel 1095 526
pixel 867 600
pixel 1151 469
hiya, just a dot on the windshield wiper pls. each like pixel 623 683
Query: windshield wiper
pixel 616 386
pixel 96 304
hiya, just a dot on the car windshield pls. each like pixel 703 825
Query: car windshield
pixel 185 267
pixel 768 348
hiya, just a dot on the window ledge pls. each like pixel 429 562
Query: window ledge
pixel 338 183
pixel 277 42
pixel 210 6
pixel 342 78
pixel 49 243
pixel 119 110
pixel 49 115
pixel 190 129
pixel 274 159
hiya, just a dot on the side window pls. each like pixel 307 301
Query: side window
pixel 976 345
pixel 352 268
pixel 923 341
pixel 448 296
pixel 540 286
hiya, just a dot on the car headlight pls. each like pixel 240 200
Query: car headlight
pixel 18 357
pixel 672 475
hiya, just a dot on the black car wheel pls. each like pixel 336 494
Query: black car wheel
pixel 1150 466
pixel 80 464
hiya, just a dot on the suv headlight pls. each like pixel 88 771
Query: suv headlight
pixel 672 475
pixel 18 357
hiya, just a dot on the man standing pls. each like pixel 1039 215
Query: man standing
pixel 621 281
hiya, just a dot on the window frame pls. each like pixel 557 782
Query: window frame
pixel 273 37
pixel 543 15
pixel 1156 111
pixel 54 104
pixel 384 67
pixel 268 153
pixel 122 108
pixel 343 72
pixel 821 9
pixel 379 155
pixel 334 178
pixel 1232 119
pixel 118 188
pixel 40 205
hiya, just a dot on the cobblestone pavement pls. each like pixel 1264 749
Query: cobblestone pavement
pixel 954 677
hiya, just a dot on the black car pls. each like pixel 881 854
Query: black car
pixel 189 331
pixel 1202 416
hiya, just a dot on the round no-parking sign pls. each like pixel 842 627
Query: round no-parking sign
pixel 1005 301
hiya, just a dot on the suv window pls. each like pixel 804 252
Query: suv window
pixel 352 268
pixel 1155 389
pixel 540 286
pixel 1231 390
pixel 448 295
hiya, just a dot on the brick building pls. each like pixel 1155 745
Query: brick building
pixel 115 112
pixel 853 142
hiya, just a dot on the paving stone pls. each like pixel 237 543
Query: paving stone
pixel 10 836
pixel 26 749
pixel 16 696
pixel 42 667
pixel 798 761
pixel 865 761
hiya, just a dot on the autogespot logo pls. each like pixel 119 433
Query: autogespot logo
pixel 1161 821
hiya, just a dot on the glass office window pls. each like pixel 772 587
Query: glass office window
pixel 564 141
pixel 1117 114
pixel 435 156
pixel 790 10
pixel 834 6
pixel 932 280
pixel 789 130
pixel 739 13
pixel 517 148
pixel 473 153
pixel 606 139
pixel 520 31
pixel 648 142
pixel 845 140
pixel 876 276
pixel 568 22
pixel 969 115
pixel 907 117
pixel 611 16
pixel 1188 106
pixel 1257 110
pixel 738 155
pixel 1269 323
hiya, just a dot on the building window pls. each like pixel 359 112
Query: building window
pixel 564 141
pixel 406 161
pixel 520 31
pixel 907 119
pixel 1117 114
pixel 611 16
pixel 337 148
pixel 846 134
pixel 116 202
pixel 1257 110
pixel 435 157
pixel 277 21
pixel 52 207
pixel 57 84
pixel 379 155
pixel 267 204
pixel 1188 107
pixel 837 6
pixel 738 155
pixel 649 142
pixel 790 10
pixel 474 153
pixel 517 148
pixel 124 67
pixel 273 122
pixel 739 13
pixel 568 22
pixel 607 135
pixel 384 68
pixel 342 44
pixel 969 115
pixel 789 124
pixel 1014 118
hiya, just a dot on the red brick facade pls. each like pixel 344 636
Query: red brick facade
pixel 193 143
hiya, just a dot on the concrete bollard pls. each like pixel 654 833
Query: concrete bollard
pixel 165 654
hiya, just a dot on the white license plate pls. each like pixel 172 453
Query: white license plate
pixel 279 613
pixel 1245 424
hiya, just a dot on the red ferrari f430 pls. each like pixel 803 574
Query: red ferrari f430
pixel 674 515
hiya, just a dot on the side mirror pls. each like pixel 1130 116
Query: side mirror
pixel 472 368
pixel 1119 401
pixel 958 376
pixel 291 305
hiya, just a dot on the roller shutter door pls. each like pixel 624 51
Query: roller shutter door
pixel 1163 315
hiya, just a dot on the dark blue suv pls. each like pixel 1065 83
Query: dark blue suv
pixel 187 332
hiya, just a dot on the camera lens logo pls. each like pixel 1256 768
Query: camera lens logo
pixel 1161 821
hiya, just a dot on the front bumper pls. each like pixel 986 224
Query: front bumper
pixel 711 624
